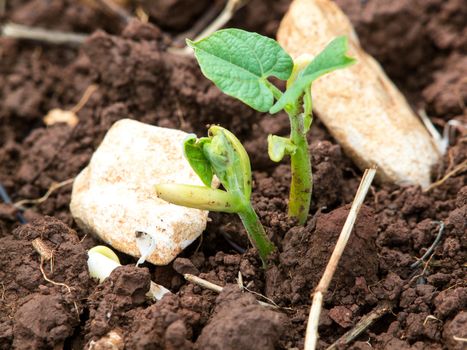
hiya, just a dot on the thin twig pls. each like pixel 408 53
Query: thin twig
pixel 85 98
pixel 460 168
pixel 215 288
pixel 311 336
pixel 432 247
pixel 207 17
pixel 17 31
pixel 203 283
pixel 226 15
pixel 114 9
pixel 240 280
pixel 20 204
pixel 422 274
pixel 362 325
pixel 271 302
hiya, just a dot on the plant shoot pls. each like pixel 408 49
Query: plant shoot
pixel 220 154
pixel 240 64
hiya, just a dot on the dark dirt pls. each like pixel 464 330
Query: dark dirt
pixel 421 44
pixel 237 314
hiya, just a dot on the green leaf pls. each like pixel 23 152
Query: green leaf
pixel 279 146
pixel 240 172
pixel 331 58
pixel 217 153
pixel 239 63
pixel 229 160
pixel 193 150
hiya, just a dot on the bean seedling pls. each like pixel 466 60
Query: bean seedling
pixel 240 64
pixel 220 154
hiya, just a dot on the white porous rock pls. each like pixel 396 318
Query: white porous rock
pixel 114 196
pixel 360 105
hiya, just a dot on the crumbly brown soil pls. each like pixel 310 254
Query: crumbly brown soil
pixel 421 44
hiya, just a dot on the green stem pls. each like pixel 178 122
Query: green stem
pixel 275 91
pixel 302 182
pixel 256 232
pixel 198 197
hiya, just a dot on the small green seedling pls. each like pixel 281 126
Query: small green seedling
pixel 240 64
pixel 220 154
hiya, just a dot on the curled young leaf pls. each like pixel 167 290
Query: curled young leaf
pixel 331 58
pixel 240 62
pixel 193 149
pixel 238 171
pixel 279 146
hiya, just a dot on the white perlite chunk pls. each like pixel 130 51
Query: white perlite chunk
pixel 114 196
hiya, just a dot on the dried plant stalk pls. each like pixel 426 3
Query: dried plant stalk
pixel 311 336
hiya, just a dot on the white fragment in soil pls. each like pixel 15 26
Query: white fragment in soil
pixel 100 266
pixel 57 115
pixel 146 245
pixel 114 196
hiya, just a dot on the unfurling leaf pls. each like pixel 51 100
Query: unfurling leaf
pixel 279 146
pixel 239 170
pixel 193 149
pixel 240 62
pixel 331 58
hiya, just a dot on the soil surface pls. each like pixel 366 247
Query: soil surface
pixel 53 303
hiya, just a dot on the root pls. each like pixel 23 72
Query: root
pixel 460 168
pixel 422 274
pixel 85 98
pixel 430 250
pixel 46 254
pixel 55 186
pixel 52 281
pixel 431 317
